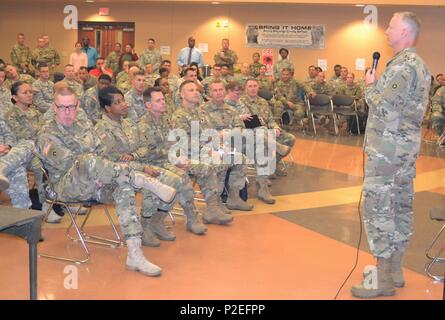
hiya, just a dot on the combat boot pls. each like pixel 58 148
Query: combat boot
pixel 157 226
pixel 164 192
pixel 136 260
pixel 52 216
pixel 193 221
pixel 214 214
pixel 264 191
pixel 234 201
pixel 149 239
pixel 4 181
pixel 397 273
pixel 385 284
pixel 223 208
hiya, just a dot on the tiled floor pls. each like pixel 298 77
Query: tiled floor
pixel 302 247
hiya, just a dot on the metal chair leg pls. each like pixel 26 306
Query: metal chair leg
pixel 430 265
pixel 427 252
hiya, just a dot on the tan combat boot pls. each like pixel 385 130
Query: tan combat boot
pixel 164 192
pixel 157 226
pixel 149 239
pixel 264 191
pixel 136 260
pixel 214 213
pixel 397 273
pixel 193 221
pixel 385 283
pixel 4 181
pixel 234 201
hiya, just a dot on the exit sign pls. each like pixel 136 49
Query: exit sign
pixel 104 11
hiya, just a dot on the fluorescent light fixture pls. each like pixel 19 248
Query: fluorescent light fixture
pixel 359 5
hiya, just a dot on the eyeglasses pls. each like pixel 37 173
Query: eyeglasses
pixel 66 108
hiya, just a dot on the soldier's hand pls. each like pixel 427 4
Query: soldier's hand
pixel 127 157
pixel 291 105
pixel 246 116
pixel 277 132
pixel 151 172
pixel 369 77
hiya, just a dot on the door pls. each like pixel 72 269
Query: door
pixel 103 35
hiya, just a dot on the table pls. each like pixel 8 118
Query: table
pixel 26 224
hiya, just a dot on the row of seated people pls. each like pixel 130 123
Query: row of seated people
pixel 110 158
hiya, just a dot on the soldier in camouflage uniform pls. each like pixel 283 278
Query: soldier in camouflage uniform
pixel 340 81
pixel 215 114
pixel 234 92
pixel 50 53
pixel 14 158
pixel 205 173
pixel 69 152
pixel 312 76
pixel 244 75
pixel 13 76
pixel 264 81
pixel 71 80
pixel 168 96
pixel 216 75
pixel 225 73
pixel 252 104
pixel 90 100
pixel 287 97
pixel 122 80
pixel 113 58
pixel 254 67
pixel 45 54
pixel 226 55
pixel 150 55
pixel 438 108
pixel 283 63
pixel 5 94
pixel 120 142
pixel 320 86
pixel 134 97
pixel 172 78
pixel 150 76
pixel 42 90
pixel 336 75
pixel 397 103
pixel 21 56
pixel 88 81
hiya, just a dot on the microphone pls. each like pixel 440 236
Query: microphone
pixel 375 57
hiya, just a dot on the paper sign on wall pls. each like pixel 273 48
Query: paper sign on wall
pixel 164 49
pixel 323 64
pixel 203 47
pixel 360 64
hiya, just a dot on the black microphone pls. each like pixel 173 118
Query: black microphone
pixel 375 57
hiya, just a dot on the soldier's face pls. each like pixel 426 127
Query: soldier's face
pixel 24 95
pixel 224 71
pixel 283 54
pixel 149 68
pixel 69 73
pixel 139 83
pixel 151 44
pixel 343 73
pixel 217 92
pixel 349 78
pixel 245 69
pixel 312 72
pixel 119 107
pixel 252 88
pixel 320 77
pixel 20 40
pixel 190 93
pixel 40 43
pixel 256 58
pixel 285 76
pixel 263 70
pixel 165 87
pixel 216 71
pixel 128 48
pixel 337 71
pixel 225 44
pixel 83 74
pixel 103 83
pixel 117 47
pixel 44 73
pixel 100 63
pixel 157 103
pixel 66 109
pixel 125 66
pixel 191 75
pixel 166 65
pixel 46 39
pixel 234 95
pixel 395 32
pixel 2 77
pixel 11 72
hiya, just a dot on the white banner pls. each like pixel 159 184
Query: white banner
pixel 274 35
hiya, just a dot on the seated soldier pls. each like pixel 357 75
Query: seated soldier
pixel 13 76
pixel 438 109
pixel 254 67
pixel 87 80
pixel 134 97
pixel 120 142
pixel 5 93
pixel 244 75
pixel 68 149
pixel 71 80
pixel 264 81
pixel 90 100
pixel 42 89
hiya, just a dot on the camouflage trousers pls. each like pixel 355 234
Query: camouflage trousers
pixel 95 178
pixel 175 178
pixel 16 161
pixel 297 114
pixel 388 199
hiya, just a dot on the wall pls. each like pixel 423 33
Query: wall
pixel 171 24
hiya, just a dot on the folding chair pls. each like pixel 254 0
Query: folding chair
pixel 82 236
pixel 321 104
pixel 436 214
pixel 346 106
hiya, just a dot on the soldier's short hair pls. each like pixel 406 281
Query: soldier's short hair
pixel 166 61
pixel 69 65
pixel 217 81
pixel 106 96
pixel 2 69
pixel 286 69
pixel 411 19
pixel 132 64
pixel 337 66
pixel 118 43
pixel 42 65
pixel 283 49
pixel 184 84
pixel 251 79
pixel 319 69
pixel 20 34
pixel 64 91
pixel 225 65
pixel 147 93
pixel 139 73
pixel 189 69
pixel 104 77
pixel 83 68
pixel 151 39
pixel 234 86
pixel 99 58
pixel 162 70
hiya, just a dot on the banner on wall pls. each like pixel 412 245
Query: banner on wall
pixel 311 36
